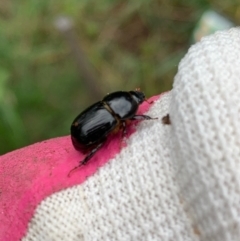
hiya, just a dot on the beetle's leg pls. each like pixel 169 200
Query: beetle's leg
pixel 124 133
pixel 143 117
pixel 90 154
pixel 124 130
pixel 149 102
pixel 87 158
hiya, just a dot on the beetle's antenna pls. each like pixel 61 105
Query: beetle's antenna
pixel 138 89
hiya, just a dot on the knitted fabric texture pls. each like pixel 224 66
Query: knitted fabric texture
pixel 205 111
pixel 133 197
pixel 171 182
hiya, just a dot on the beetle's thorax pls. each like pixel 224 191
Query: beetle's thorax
pixel 122 104
pixel 138 96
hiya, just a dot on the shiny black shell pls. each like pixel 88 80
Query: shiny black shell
pixel 94 124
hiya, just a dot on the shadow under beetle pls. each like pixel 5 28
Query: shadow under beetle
pixel 90 128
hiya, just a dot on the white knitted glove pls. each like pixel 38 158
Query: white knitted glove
pixel 175 182
pixel 205 134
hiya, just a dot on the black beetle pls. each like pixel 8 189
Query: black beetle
pixel 90 128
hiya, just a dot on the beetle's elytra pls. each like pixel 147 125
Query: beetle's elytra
pixel 90 128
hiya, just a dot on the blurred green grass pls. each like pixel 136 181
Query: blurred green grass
pixel 128 43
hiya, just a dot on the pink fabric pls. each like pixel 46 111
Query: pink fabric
pixel 30 174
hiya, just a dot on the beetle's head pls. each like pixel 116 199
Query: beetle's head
pixel 138 96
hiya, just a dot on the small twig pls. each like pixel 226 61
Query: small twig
pixel 166 120
pixel 65 26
